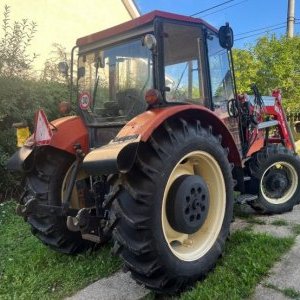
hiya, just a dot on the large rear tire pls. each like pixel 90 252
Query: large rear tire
pixel 175 207
pixel 46 182
pixel 275 173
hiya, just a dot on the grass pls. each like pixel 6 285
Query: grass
pixel 280 222
pixel 29 270
pixel 296 229
pixel 289 292
pixel 249 218
pixel 243 266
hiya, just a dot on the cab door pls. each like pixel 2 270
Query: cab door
pixel 221 83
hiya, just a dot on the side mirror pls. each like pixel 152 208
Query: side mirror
pixel 63 68
pixel 226 37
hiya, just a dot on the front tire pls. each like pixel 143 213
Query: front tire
pixel 275 173
pixel 167 244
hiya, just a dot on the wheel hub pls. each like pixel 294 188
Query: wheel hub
pixel 188 203
pixel 276 183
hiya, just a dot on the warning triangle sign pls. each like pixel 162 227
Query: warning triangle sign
pixel 43 132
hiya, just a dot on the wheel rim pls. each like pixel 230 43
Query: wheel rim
pixel 76 201
pixel 279 183
pixel 190 247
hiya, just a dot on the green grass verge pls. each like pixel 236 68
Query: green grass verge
pixel 29 270
pixel 248 257
pixel 280 222
pixel 289 292
pixel 296 229
pixel 248 217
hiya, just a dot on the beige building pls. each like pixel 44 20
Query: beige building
pixel 63 21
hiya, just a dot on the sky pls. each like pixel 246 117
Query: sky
pixel 242 15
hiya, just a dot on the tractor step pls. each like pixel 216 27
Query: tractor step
pixel 267 124
pixel 245 198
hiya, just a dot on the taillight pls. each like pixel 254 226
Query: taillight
pixel 42 132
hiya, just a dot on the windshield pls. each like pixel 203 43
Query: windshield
pixel 112 82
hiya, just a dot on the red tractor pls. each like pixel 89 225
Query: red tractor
pixel 160 144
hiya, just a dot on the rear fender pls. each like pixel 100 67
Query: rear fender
pixel 67 132
pixel 119 156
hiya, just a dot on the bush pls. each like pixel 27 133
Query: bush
pixel 19 99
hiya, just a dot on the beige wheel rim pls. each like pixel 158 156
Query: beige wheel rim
pixel 293 178
pixel 190 247
pixel 77 200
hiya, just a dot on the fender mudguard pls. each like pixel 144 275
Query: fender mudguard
pixel 67 132
pixel 119 154
pixel 17 160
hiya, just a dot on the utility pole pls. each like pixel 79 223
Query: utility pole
pixel 291 18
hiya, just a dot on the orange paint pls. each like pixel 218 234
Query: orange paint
pixel 256 146
pixel 67 132
pixel 144 124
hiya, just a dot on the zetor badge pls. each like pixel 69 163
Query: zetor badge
pixel 85 100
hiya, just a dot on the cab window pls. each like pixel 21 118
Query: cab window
pixel 181 63
pixel 220 72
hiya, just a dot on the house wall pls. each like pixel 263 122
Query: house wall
pixel 63 21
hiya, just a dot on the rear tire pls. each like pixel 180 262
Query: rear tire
pixel 275 173
pixel 162 258
pixel 45 181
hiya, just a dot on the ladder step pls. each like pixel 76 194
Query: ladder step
pixel 245 198
pixel 267 124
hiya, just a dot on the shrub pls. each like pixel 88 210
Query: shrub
pixel 19 99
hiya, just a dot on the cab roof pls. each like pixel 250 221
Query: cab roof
pixel 135 23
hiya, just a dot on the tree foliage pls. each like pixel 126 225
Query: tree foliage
pixel 50 71
pixel 20 93
pixel 14 43
pixel 271 63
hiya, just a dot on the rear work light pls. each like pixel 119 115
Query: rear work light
pixel 42 131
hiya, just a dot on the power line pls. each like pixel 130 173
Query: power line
pixel 245 37
pixel 210 8
pixel 259 29
pixel 274 29
pixel 224 8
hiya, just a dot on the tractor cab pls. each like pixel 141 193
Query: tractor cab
pixel 178 57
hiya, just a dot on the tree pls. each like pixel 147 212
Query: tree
pixel 246 68
pixel 271 63
pixel 50 71
pixel 16 38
